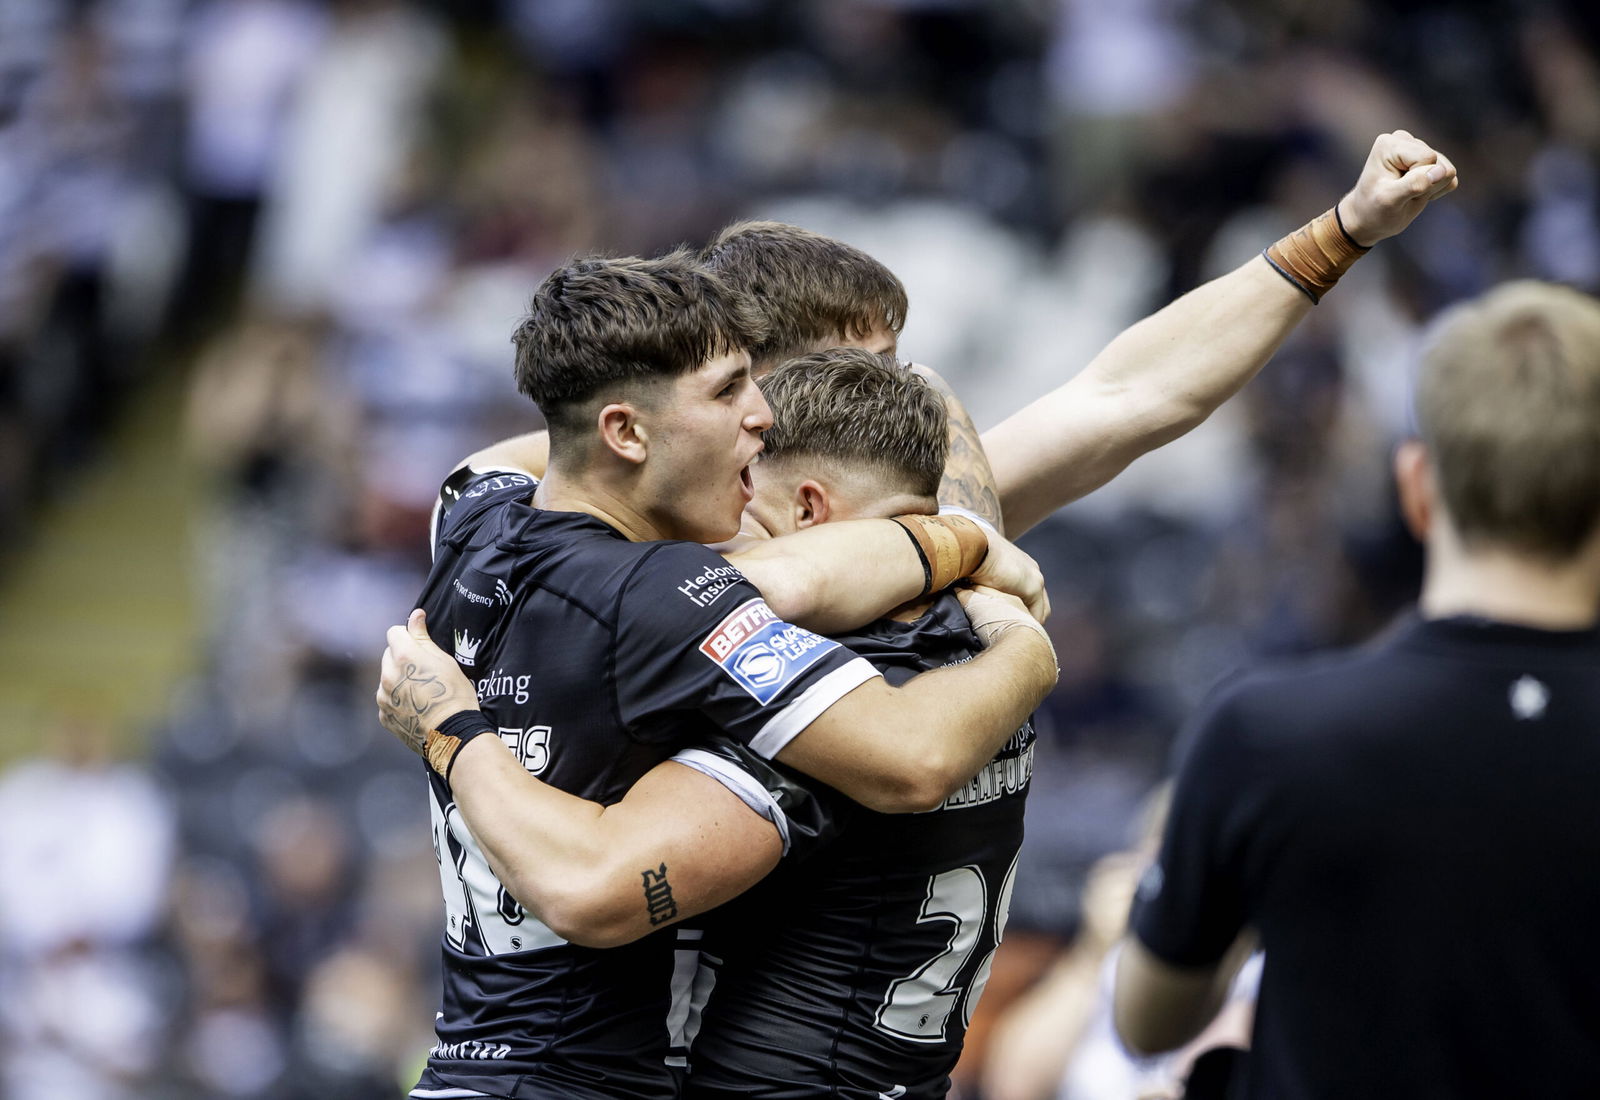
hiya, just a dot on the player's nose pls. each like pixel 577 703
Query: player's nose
pixel 758 417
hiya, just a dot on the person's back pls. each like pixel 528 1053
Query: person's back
pixel 1411 826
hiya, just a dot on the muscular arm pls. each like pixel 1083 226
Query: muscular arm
pixel 839 576
pixel 529 453
pixel 905 749
pixel 1164 375
pixel 678 844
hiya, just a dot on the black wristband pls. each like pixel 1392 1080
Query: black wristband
pixel 465 725
pixel 1339 220
pixel 922 555
pixel 451 736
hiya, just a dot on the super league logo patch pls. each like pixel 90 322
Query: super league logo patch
pixel 762 653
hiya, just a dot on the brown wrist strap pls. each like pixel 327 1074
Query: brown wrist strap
pixel 1315 255
pixel 444 743
pixel 951 547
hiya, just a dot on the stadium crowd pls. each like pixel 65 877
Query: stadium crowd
pixel 334 214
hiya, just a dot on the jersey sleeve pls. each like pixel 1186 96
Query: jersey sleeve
pixel 807 815
pixel 694 636
pixel 468 493
pixel 1190 905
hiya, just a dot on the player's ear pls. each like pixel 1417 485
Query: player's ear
pixel 811 504
pixel 623 432
pixel 1413 477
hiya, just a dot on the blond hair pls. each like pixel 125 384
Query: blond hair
pixel 1508 404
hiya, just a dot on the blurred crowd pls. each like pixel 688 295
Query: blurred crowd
pixel 330 215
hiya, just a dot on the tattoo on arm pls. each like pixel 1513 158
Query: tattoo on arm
pixel 658 895
pixel 968 482
pixel 410 705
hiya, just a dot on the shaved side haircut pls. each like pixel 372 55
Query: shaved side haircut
pixel 602 327
pixel 853 407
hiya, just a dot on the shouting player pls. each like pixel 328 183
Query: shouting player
pixel 605 636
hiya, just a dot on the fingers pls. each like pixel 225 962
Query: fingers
pixel 417 624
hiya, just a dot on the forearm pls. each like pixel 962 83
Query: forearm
pixel 677 844
pixel 836 576
pixel 542 843
pixel 968 481
pixel 1156 381
pixel 1158 1007
pixel 902 750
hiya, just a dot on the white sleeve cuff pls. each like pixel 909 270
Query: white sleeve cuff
pixel 957 510
pixel 740 782
pixel 788 723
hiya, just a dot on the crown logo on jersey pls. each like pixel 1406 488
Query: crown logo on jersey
pixel 467 648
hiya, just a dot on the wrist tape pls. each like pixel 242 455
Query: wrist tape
pixel 950 548
pixel 445 741
pixel 1315 255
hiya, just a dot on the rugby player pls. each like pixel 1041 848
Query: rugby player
pixel 1410 824
pixel 855 437
pixel 606 636
pixel 1387 197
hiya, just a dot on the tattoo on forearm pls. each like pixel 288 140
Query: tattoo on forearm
pixel 658 895
pixel 410 704
pixel 968 482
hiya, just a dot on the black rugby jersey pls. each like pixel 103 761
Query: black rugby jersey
pixel 855 974
pixel 597 658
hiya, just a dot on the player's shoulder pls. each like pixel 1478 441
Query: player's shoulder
pixel 469 495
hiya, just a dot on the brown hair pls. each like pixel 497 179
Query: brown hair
pixel 1509 406
pixel 599 324
pixel 853 406
pixel 814 290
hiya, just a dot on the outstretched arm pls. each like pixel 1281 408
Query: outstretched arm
pixel 1164 375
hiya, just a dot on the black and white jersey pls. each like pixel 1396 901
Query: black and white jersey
pixel 597 658
pixel 854 974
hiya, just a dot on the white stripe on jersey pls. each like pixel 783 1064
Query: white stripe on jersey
pixel 741 783
pixel 788 723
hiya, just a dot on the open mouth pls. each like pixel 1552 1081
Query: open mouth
pixel 746 486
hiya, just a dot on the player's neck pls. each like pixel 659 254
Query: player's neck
pixel 562 492
pixel 1511 587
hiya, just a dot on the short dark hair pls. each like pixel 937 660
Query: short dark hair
pixel 815 291
pixel 1508 404
pixel 853 406
pixel 599 322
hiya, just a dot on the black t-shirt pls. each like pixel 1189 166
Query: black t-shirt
pixel 597 658
pixel 1414 828
pixel 854 973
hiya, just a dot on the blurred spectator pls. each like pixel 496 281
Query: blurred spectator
pixel 340 208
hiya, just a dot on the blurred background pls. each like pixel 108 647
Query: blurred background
pixel 259 265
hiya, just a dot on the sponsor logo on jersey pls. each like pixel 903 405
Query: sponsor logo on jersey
pixel 704 589
pixel 502 593
pixel 501 684
pixel 762 653
pixel 467 648
pixel 499 481
pixel 471 1050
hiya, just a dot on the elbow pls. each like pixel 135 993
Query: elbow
pixel 589 910
pixel 922 786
